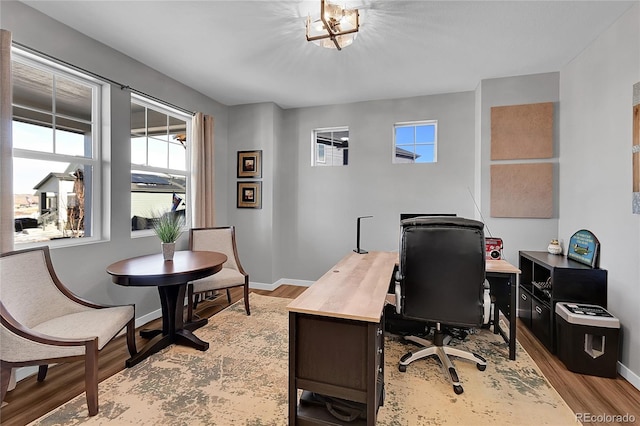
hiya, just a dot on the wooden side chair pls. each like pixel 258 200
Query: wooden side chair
pixel 43 323
pixel 222 240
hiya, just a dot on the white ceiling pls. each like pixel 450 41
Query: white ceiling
pixel 241 52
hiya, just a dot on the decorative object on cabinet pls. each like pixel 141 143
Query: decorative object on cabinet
pixel 250 164
pixel 546 279
pixel 584 247
pixel 554 247
pixel 635 148
pixel 249 195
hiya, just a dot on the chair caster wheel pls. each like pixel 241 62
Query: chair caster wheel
pixel 458 389
pixel 481 367
pixel 402 368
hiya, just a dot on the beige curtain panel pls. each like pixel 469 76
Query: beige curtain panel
pixel 203 171
pixel 6 145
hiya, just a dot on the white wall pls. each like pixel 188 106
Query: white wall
pixel 316 220
pixel 252 127
pixel 596 169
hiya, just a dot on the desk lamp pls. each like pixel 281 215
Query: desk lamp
pixel 358 249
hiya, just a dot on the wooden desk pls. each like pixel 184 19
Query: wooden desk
pixel 336 337
pixel 502 277
pixel 171 278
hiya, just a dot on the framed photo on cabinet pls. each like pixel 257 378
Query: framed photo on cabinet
pixel 250 164
pixel 249 195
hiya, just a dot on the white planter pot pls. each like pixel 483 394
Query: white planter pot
pixel 168 250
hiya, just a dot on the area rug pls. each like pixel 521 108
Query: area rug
pixel 243 378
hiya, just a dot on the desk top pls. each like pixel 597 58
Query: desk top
pixel 153 270
pixel 355 288
pixel 501 266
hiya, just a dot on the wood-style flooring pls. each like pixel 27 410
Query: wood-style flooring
pixel 584 394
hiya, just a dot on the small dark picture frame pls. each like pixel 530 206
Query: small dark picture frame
pixel 250 164
pixel 249 195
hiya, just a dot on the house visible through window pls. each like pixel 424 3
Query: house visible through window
pixel 331 147
pixel 415 142
pixel 159 162
pixel 56 155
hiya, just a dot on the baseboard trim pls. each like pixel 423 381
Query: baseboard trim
pixel 148 317
pixel 281 281
pixel 262 286
pixel 629 375
pixel 24 372
pixel 289 281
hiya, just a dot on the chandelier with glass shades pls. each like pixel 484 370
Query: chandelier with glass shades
pixel 336 28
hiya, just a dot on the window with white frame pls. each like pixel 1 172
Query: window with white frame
pixel 159 162
pixel 415 142
pixel 56 152
pixel 330 147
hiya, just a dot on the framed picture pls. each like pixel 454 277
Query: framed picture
pixel 250 164
pixel 249 195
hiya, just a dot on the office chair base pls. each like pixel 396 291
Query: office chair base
pixel 443 353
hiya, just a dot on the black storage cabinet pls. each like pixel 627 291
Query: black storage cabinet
pixel 587 339
pixel 547 279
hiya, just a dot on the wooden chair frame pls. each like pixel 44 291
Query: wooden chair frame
pixel 91 345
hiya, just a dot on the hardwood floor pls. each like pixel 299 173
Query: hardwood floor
pixel 584 394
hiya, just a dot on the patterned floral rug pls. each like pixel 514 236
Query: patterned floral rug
pixel 242 380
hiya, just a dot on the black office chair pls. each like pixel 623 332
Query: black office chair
pixel 441 280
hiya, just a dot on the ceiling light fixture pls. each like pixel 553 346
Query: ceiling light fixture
pixel 336 28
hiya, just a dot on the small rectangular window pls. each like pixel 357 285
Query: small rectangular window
pixel 415 142
pixel 331 147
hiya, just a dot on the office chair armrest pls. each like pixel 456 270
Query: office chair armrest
pixel 398 278
pixel 486 316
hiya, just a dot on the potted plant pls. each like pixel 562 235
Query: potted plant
pixel 168 227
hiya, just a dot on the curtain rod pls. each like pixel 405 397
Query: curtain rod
pixel 100 77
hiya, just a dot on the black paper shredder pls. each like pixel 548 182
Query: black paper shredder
pixel 587 339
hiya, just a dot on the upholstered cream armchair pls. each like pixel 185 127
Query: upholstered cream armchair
pixel 222 240
pixel 44 323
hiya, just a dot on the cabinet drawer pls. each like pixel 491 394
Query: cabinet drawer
pixel 524 306
pixel 541 322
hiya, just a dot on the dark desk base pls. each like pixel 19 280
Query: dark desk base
pixel 174 330
pixel 503 296
pixel 336 357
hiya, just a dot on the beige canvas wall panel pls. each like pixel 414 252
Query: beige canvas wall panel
pixel 522 131
pixel 522 190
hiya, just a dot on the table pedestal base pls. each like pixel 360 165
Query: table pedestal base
pixel 174 330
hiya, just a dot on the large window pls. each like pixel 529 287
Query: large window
pixel 57 152
pixel 415 142
pixel 159 162
pixel 330 147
